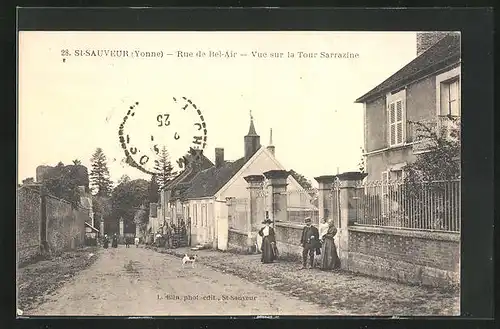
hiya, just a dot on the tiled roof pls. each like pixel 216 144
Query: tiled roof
pixel 209 181
pixel 188 174
pixel 444 53
pixel 251 130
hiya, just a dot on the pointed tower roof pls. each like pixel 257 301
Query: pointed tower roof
pixel 251 130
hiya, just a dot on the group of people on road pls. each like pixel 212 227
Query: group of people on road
pixel 173 236
pixel 314 243
pixel 114 241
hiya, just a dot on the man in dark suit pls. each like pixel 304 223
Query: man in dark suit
pixel 310 243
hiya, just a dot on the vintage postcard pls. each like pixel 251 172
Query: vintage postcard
pixel 238 173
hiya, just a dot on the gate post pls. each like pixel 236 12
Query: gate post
pixel 348 183
pixel 278 182
pixel 121 229
pixel 223 227
pixel 101 227
pixel 255 189
pixel 324 189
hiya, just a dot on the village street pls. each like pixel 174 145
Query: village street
pixel 140 282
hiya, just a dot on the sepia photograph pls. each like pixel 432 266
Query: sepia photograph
pixel 238 173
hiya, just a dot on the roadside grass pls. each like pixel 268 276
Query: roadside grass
pixel 43 275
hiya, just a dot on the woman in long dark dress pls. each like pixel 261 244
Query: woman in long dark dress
pixel 114 243
pixel 268 247
pixel 105 242
pixel 330 260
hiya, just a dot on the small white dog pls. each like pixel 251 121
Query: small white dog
pixel 189 259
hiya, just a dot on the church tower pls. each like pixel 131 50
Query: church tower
pixel 252 140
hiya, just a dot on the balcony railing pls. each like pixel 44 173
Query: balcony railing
pixel 443 126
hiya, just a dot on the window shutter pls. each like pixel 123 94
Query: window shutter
pixel 392 121
pixel 399 122
pixel 445 98
pixel 454 98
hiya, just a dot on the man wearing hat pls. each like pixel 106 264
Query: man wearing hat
pixel 310 243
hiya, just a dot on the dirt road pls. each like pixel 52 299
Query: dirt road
pixel 140 282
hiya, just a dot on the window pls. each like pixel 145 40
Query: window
pixel 203 218
pixel 450 98
pixel 396 175
pixel 195 214
pixel 396 116
pixel 206 215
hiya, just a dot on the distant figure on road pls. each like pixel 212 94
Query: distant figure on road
pixel 269 250
pixel 127 242
pixel 105 242
pixel 183 234
pixel 114 242
pixel 330 260
pixel 175 236
pixel 310 243
pixel 168 236
pixel 136 242
pixel 188 231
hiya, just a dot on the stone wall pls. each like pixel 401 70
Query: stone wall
pixel 288 239
pixel 420 257
pixel 237 240
pixel 28 223
pixel 65 225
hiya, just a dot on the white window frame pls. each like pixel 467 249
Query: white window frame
pixel 444 78
pixel 365 130
pixel 394 98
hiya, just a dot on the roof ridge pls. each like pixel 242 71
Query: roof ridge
pixel 380 88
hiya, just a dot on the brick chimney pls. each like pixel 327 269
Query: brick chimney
pixel 425 40
pixel 219 157
pixel 271 147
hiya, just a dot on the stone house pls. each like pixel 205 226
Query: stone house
pixel 201 196
pixel 162 212
pixel 425 90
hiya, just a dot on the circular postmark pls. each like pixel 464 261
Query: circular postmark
pixel 153 132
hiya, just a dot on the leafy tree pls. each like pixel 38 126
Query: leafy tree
pixel 29 180
pixel 153 190
pixel 127 197
pixel 440 164
pixel 99 175
pixel 124 179
pixel 62 182
pixel 165 170
pixel 101 207
pixel 141 219
pixel 77 162
pixel 304 182
pixel 441 161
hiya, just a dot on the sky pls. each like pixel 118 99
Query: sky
pixel 69 106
